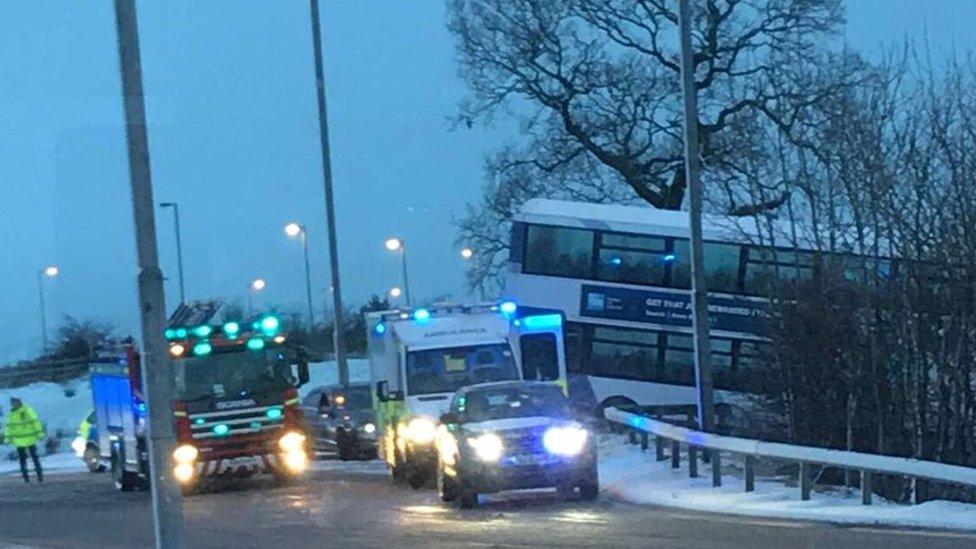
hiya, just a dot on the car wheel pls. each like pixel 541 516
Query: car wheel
pixel 92 460
pixel 446 486
pixel 466 497
pixel 416 477
pixel 345 449
pixel 565 490
pixel 590 489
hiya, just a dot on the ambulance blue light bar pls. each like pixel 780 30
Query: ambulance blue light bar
pixel 542 322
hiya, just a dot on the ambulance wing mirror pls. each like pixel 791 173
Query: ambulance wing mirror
pixel 383 393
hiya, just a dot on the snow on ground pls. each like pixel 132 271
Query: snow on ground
pixel 635 476
pixel 65 462
pixel 370 467
pixel 53 406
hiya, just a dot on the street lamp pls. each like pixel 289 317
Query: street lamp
pixel 179 245
pixel 398 245
pixel 467 253
pixel 298 230
pixel 254 287
pixel 395 292
pixel 47 272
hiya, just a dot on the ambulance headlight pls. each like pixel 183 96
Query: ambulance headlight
pixel 78 445
pixel 565 441
pixel 185 453
pixel 183 472
pixel 487 447
pixel 421 430
pixel 292 442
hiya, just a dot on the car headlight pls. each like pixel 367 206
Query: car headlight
pixel 292 441
pixel 78 445
pixel 369 428
pixel 185 453
pixel 565 441
pixel 487 447
pixel 421 430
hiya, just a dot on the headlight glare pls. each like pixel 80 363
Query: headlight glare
pixel 78 445
pixel 487 447
pixel 421 430
pixel 183 472
pixel 292 441
pixel 185 453
pixel 369 428
pixel 565 441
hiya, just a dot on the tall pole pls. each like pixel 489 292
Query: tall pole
pixel 157 369
pixel 406 281
pixel 339 339
pixel 40 295
pixel 179 246
pixel 699 292
pixel 308 280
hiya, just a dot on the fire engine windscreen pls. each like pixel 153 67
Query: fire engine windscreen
pixel 232 375
pixel 447 370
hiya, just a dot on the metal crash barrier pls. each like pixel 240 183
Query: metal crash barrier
pixel 806 457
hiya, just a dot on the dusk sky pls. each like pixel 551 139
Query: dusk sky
pixel 234 139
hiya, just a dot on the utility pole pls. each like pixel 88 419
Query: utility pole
pixel 699 291
pixel 179 246
pixel 157 369
pixel 339 339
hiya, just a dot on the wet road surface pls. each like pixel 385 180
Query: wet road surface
pixel 357 506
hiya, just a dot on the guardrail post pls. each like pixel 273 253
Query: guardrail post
pixel 692 462
pixel 659 449
pixel 750 473
pixel 675 454
pixel 643 441
pixel 805 481
pixel 866 490
pixel 716 468
pixel 632 436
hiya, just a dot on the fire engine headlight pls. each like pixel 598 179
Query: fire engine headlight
pixel 296 461
pixel 565 441
pixel 78 445
pixel 183 472
pixel 421 430
pixel 292 442
pixel 487 447
pixel 369 428
pixel 185 453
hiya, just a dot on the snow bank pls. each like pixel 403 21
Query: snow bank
pixel 635 476
pixel 55 463
pixel 327 373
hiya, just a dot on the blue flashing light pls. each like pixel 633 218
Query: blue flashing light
pixel 270 325
pixel 201 349
pixel 668 258
pixel 542 322
pixel 202 331
pixel 508 308
pixel 380 329
pixel 170 333
pixel 273 413
pixel 255 344
pixel 199 421
pixel 421 315
pixel 221 429
pixel 231 329
pixel 616 261
pixel 181 333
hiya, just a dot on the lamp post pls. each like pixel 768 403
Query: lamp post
pixel 294 230
pixel 47 272
pixel 254 287
pixel 179 245
pixel 398 245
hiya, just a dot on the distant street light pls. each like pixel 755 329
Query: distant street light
pixel 395 292
pixel 47 272
pixel 254 287
pixel 398 245
pixel 179 245
pixel 294 230
pixel 467 253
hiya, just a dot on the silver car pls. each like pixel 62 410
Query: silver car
pixel 340 421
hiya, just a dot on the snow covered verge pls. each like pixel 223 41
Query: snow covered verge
pixel 65 462
pixel 56 409
pixel 635 476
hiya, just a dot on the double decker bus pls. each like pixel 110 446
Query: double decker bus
pixel 622 276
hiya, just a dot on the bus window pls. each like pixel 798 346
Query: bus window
pixel 635 259
pixel 540 358
pixel 558 251
pixel 721 263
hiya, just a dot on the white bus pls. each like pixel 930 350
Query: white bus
pixel 621 274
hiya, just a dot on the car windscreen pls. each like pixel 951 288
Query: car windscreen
pixel 511 402
pixel 228 375
pixel 353 398
pixel 446 370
